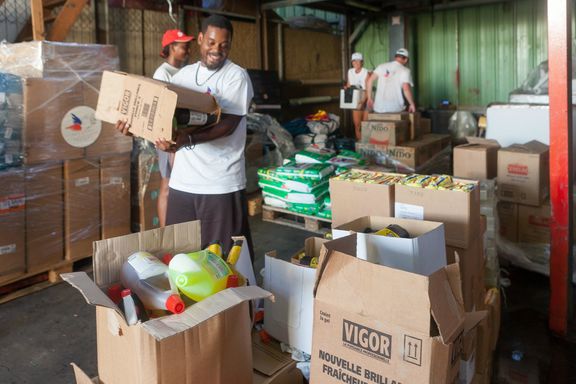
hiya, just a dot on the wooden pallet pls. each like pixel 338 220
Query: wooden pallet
pixel 296 220
pixel 28 283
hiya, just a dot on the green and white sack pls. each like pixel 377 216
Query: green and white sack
pixel 301 172
pixel 269 177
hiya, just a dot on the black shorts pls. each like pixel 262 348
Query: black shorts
pixel 222 216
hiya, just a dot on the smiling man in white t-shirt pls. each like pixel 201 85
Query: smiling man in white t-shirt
pixel 208 177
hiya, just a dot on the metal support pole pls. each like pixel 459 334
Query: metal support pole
pixel 560 90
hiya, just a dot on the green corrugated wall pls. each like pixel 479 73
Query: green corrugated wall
pixel 470 56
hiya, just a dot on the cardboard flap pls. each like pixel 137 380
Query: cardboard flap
pixel 455 279
pixel 472 319
pixel 110 254
pixel 356 282
pixel 168 326
pixel 446 311
pixel 532 147
pixel 92 294
pixel 268 358
pixel 81 377
pixel 482 141
pixel 344 244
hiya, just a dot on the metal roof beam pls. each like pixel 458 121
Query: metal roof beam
pixel 287 3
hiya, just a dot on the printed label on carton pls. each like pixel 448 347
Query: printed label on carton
pixel 366 341
pixel 6 249
pixel 82 181
pixel 79 127
pixel 408 211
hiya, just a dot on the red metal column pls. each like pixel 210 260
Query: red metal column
pixel 560 90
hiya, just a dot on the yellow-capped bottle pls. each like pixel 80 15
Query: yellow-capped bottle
pixel 232 259
pixel 216 248
pixel 234 253
pixel 199 275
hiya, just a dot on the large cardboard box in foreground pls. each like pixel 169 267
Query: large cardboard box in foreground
pixel 289 317
pixel 209 342
pixel 477 159
pixel 523 173
pixel 458 210
pixel 369 199
pixel 148 105
pixel 374 323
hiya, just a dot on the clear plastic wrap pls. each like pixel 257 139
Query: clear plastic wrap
pixel 75 169
pixel 401 160
pixel 267 144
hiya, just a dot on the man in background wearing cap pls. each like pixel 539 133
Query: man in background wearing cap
pixel 357 77
pixel 175 50
pixel 394 83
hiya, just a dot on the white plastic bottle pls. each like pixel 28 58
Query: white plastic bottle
pixel 129 307
pixel 147 277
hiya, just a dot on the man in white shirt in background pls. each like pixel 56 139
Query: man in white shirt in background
pixel 209 176
pixel 394 84
pixel 357 77
pixel 175 50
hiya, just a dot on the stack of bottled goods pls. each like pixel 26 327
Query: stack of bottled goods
pixel 301 184
pixel 151 286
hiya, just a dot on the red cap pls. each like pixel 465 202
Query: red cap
pixel 167 258
pixel 175 304
pixel 126 292
pixel 175 36
pixel 114 293
pixel 232 281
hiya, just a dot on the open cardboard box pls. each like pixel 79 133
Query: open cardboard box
pixel 148 105
pixel 382 324
pixel 411 254
pixel 289 317
pixel 210 341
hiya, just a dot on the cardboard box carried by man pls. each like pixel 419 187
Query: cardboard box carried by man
pixel 148 105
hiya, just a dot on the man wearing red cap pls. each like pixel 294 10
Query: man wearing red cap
pixel 175 50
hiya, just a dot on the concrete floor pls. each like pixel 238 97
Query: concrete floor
pixel 41 334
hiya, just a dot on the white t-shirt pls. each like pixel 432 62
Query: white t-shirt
pixel 165 72
pixel 391 77
pixel 357 79
pixel 217 166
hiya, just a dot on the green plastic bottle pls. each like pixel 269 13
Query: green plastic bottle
pixel 199 275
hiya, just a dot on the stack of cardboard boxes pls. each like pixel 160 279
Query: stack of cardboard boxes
pixel 523 187
pixel 75 170
pixel 416 329
pixel 477 160
pixel 401 141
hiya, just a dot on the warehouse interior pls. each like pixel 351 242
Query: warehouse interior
pixel 447 229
